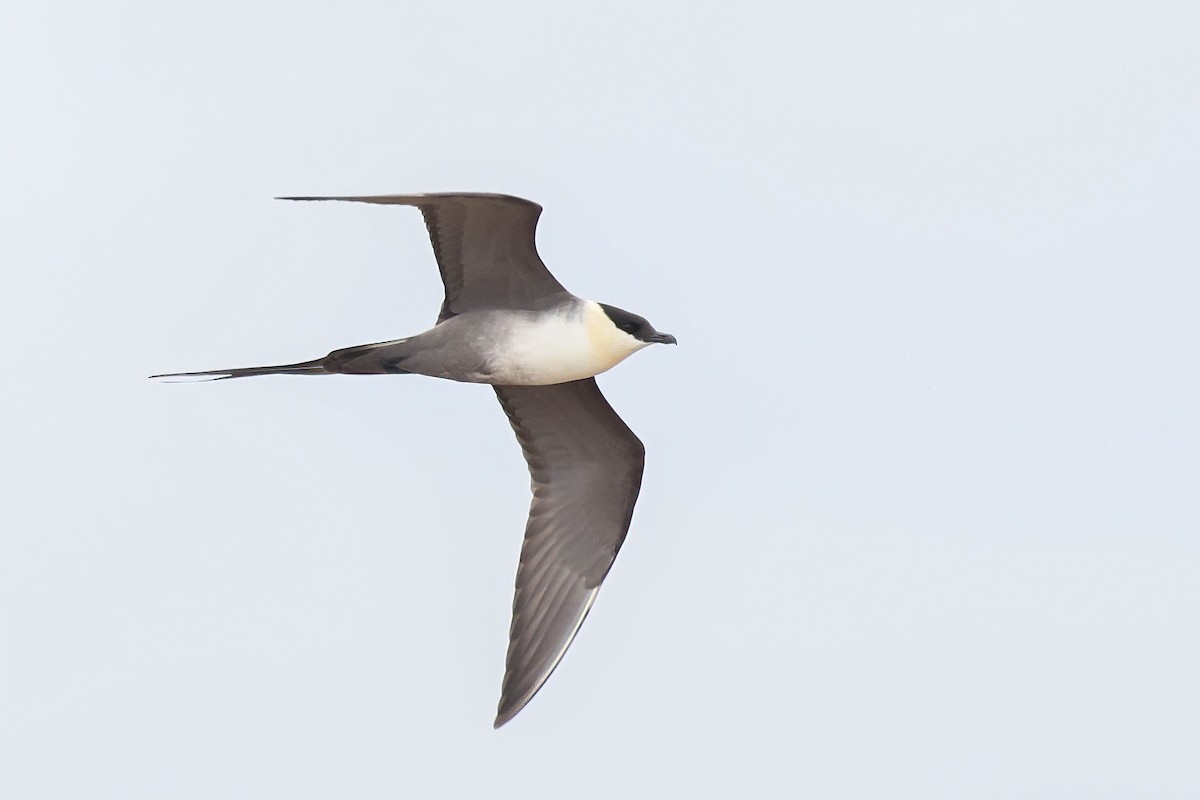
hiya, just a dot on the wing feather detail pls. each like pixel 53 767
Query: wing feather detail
pixel 486 250
pixel 585 467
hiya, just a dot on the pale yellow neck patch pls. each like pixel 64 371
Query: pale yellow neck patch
pixel 610 344
pixel 575 343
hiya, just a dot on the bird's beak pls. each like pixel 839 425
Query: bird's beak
pixel 661 338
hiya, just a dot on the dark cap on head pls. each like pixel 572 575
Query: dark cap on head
pixel 638 327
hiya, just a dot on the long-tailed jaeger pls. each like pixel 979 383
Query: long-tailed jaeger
pixel 506 321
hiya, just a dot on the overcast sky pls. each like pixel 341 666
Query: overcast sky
pixel 920 516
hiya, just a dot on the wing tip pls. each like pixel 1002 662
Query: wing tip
pixel 504 716
pixel 191 377
pixel 512 704
pixel 383 199
pixel 416 199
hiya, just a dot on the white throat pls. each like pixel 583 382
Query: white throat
pixel 567 344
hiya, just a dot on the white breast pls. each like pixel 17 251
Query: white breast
pixel 576 342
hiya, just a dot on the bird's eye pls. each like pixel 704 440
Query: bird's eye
pixel 630 327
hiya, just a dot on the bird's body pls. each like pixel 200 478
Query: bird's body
pixel 506 321
pixel 569 341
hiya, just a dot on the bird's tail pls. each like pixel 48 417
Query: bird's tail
pixel 363 359
pixel 316 367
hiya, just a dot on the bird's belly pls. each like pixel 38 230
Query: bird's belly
pixel 554 350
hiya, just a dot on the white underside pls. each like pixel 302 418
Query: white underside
pixel 575 343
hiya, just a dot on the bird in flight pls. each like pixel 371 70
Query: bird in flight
pixel 506 321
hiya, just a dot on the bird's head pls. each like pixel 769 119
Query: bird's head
pixel 637 327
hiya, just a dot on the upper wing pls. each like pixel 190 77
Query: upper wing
pixel 586 470
pixel 484 244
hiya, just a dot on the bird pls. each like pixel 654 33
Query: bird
pixel 506 321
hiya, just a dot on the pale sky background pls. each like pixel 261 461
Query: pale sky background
pixel 921 514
